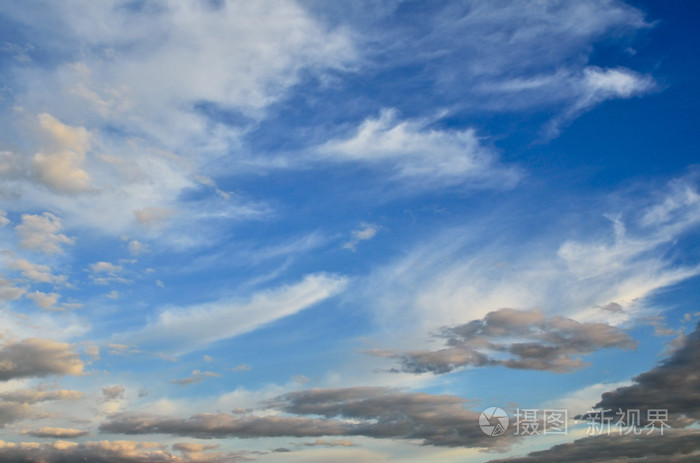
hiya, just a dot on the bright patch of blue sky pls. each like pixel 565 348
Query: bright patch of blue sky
pixel 244 211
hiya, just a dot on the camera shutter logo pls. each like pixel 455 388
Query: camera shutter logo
pixel 493 421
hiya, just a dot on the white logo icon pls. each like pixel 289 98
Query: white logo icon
pixel 493 421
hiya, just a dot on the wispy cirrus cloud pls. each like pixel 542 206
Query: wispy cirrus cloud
pixel 416 153
pixel 182 330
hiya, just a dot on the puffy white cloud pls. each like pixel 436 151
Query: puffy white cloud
pixel 44 300
pixel 137 248
pixel 60 166
pixel 37 272
pixel 10 292
pixel 104 273
pixel 42 233
pixel 105 267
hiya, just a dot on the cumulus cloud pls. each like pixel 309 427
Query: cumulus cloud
pixel 44 300
pixel 42 233
pixel 60 166
pixel 104 273
pixel 137 248
pixel 411 150
pixel 34 357
pixel 105 267
pixel 10 292
pixel 181 330
pixel 515 339
pixel 37 272
pixel 380 413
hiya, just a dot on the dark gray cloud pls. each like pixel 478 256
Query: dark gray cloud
pixel 30 396
pixel 38 357
pixel 675 446
pixel 374 412
pixel 329 443
pixel 514 339
pixel 673 385
pixel 219 425
pixel 57 433
pixel 386 413
pixel 11 412
pixel 109 452
pixel 115 392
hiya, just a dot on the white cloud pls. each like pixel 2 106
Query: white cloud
pixel 105 267
pixel 137 248
pixel 595 85
pixel 41 233
pixel 36 272
pixel 185 329
pixel 462 274
pixel 44 300
pixel 3 218
pixel 10 292
pixel 104 273
pixel 366 231
pixel 413 151
pixel 60 167
pixel 158 77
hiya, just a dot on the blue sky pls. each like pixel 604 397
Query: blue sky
pixel 301 231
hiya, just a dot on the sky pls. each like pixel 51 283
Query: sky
pixel 310 231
